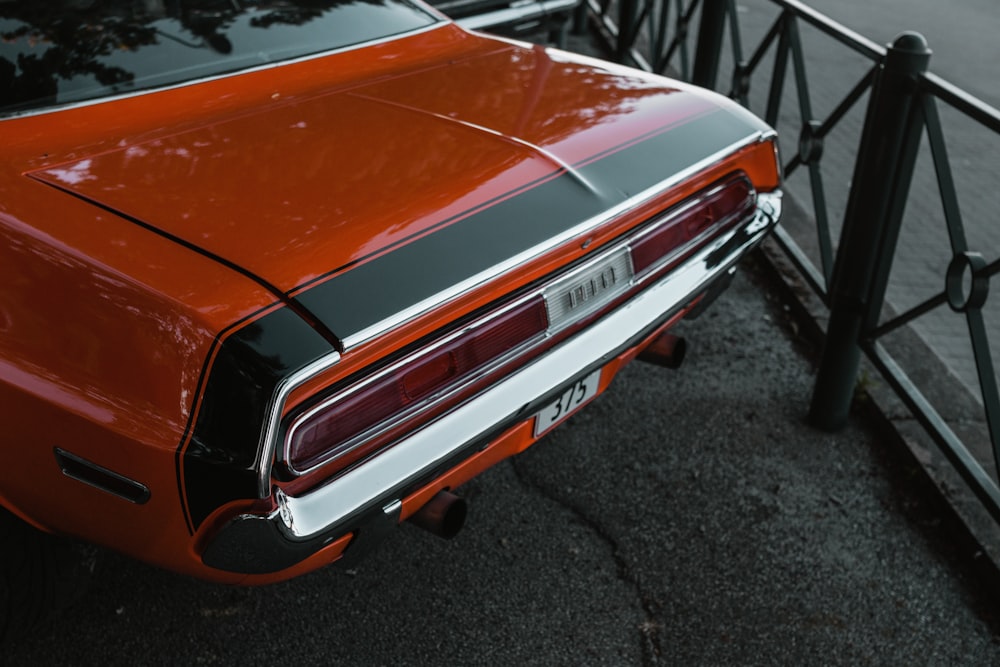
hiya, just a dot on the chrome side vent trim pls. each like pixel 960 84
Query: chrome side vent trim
pixel 101 478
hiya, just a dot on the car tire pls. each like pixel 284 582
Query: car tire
pixel 39 575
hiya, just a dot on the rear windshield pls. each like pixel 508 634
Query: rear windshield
pixel 60 51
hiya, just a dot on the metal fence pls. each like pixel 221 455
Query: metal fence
pixel 847 260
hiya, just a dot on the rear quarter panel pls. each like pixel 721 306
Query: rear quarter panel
pixel 104 333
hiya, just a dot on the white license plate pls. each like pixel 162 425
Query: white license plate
pixel 569 401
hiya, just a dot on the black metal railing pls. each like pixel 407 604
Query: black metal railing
pixel 849 271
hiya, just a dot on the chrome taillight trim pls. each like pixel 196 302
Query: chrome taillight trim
pixel 599 281
pixel 618 256
pixel 680 211
pixel 275 408
pixel 270 444
pixel 336 502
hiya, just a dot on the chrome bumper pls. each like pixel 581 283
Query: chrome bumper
pixel 371 493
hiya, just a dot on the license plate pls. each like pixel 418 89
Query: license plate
pixel 569 401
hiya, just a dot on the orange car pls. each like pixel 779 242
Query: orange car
pixel 278 275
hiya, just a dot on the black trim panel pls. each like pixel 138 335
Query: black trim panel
pixel 220 459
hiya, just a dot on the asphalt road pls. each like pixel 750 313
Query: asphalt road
pixel 687 517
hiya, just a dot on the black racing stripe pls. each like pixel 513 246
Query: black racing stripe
pixel 219 461
pixel 373 291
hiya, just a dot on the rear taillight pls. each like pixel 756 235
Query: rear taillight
pixel 370 414
pixel 718 207
pixel 345 424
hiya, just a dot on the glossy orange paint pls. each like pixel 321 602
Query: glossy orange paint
pixel 439 156
pixel 104 330
pixel 107 327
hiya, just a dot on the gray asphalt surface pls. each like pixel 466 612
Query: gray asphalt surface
pixel 687 517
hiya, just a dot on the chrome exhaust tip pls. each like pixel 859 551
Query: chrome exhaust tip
pixel 666 350
pixel 443 515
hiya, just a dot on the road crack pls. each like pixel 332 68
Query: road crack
pixel 650 629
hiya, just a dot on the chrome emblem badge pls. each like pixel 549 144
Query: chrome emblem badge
pixel 591 288
pixel 588 288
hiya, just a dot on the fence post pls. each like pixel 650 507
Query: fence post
pixel 708 51
pixel 580 18
pixel 628 11
pixel 882 175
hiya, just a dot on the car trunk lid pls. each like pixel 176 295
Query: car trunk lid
pixel 365 203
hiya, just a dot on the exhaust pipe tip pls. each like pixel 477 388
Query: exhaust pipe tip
pixel 666 350
pixel 443 515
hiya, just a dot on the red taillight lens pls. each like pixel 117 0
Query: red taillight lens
pixel 367 416
pixel 719 207
pixel 353 419
pixel 429 375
